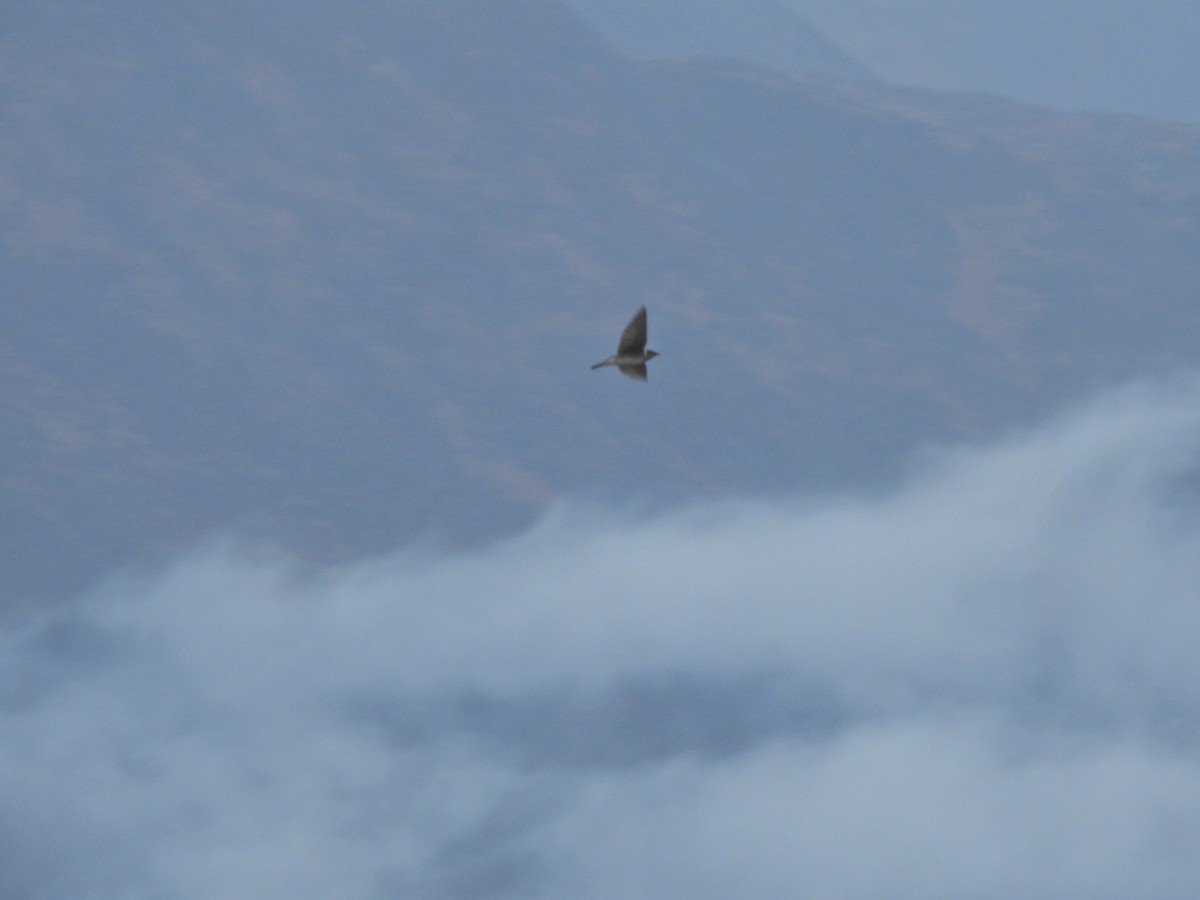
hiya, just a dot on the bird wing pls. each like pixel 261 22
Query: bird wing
pixel 637 371
pixel 633 338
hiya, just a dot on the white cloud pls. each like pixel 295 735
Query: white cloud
pixel 982 684
pixel 916 808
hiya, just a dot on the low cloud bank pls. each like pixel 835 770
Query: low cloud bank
pixel 985 683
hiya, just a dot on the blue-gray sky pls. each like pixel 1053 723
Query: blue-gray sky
pixel 982 683
pixel 1104 55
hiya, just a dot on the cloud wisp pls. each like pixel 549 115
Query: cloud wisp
pixel 984 683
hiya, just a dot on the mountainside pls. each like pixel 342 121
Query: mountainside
pixel 337 280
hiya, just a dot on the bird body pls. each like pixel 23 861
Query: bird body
pixel 631 356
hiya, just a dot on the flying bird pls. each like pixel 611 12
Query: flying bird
pixel 630 358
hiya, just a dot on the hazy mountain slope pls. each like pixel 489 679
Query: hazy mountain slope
pixel 336 280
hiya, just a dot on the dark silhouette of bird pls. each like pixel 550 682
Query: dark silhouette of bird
pixel 630 358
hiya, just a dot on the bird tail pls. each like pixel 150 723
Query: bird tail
pixel 607 362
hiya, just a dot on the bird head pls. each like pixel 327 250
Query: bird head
pixel 650 354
